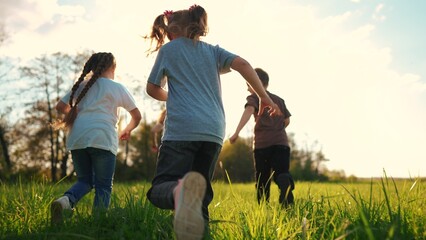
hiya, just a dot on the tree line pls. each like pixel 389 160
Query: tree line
pixel 30 148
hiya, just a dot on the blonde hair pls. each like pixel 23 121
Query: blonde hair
pixel 190 23
pixel 97 64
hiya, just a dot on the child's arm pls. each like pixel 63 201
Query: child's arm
pixel 156 92
pixel 134 122
pixel 62 107
pixel 244 68
pixel 248 111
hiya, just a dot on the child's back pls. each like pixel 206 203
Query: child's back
pixel 194 98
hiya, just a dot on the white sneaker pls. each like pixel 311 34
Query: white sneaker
pixel 58 207
pixel 188 220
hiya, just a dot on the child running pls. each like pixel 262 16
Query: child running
pixel 91 111
pixel 195 123
pixel 270 143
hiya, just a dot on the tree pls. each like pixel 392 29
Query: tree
pixel 4 144
pixel 50 76
pixel 236 161
pixel 141 160
pixel 5 68
pixel 305 163
pixel 135 159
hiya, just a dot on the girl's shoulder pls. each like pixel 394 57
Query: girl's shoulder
pixel 110 83
pixel 177 41
pixel 186 41
pixel 105 80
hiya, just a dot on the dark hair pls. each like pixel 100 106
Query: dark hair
pixel 190 23
pixel 98 63
pixel 264 77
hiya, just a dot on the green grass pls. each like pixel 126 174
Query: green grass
pixel 377 209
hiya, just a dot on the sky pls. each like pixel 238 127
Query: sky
pixel 352 72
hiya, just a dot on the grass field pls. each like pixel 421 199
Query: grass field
pixel 376 209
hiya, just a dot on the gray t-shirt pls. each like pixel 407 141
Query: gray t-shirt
pixel 194 105
pixel 269 131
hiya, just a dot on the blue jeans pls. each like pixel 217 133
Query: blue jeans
pixel 95 169
pixel 175 159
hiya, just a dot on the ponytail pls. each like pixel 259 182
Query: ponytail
pixel 198 22
pixel 159 31
pixel 196 12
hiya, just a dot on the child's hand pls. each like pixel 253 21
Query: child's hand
pixel 233 138
pixel 154 149
pixel 124 135
pixel 272 108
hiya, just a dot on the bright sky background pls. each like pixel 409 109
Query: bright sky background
pixel 352 72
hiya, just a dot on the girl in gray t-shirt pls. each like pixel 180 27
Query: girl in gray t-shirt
pixel 195 121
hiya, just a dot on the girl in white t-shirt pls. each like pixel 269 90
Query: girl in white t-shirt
pixel 91 111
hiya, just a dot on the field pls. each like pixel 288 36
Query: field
pixel 374 209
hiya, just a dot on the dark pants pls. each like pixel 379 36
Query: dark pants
pixel 274 163
pixel 175 159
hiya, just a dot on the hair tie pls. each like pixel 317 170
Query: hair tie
pixel 168 14
pixel 192 7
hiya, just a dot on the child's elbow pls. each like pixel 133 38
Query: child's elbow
pixel 239 64
pixel 136 115
pixel 150 89
pixel 154 91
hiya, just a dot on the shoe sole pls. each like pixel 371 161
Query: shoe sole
pixel 56 211
pixel 188 221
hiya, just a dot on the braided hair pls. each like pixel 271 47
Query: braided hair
pixel 190 23
pixel 97 64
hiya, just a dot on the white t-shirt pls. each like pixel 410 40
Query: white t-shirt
pixel 98 114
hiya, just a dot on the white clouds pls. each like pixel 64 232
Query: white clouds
pixel 17 15
pixel 377 15
pixel 71 12
pixel 37 27
pixel 35 16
